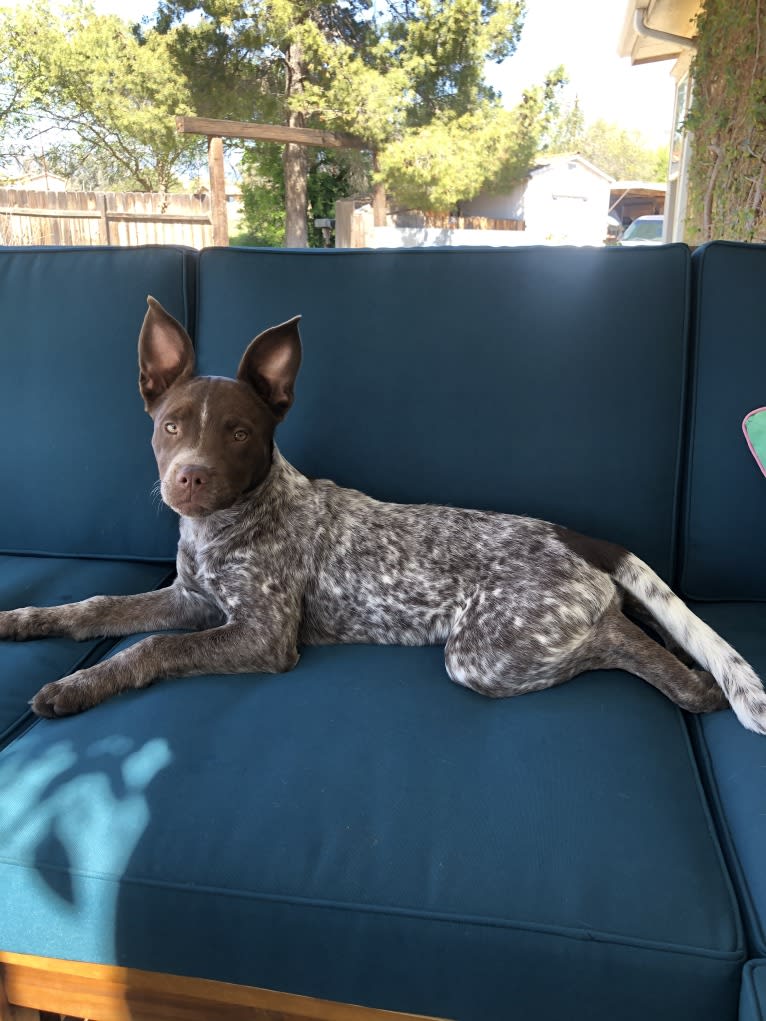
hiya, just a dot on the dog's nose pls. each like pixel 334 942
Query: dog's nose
pixel 192 476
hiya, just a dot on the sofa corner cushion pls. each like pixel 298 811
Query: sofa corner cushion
pixel 723 555
pixel 498 379
pixel 49 581
pixel 734 768
pixel 78 448
pixel 752 1003
pixel 363 830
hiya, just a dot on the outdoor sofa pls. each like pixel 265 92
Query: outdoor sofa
pixel 361 830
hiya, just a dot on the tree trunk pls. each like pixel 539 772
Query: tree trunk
pixel 295 158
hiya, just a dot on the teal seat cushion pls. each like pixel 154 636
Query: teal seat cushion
pixel 723 555
pixel 514 379
pixel 48 581
pixel 76 452
pixel 734 761
pixel 752 1004
pixel 363 830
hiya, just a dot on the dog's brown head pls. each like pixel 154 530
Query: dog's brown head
pixel 213 437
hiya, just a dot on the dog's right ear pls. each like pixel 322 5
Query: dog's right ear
pixel 165 353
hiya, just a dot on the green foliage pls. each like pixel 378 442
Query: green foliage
pixel 410 82
pixel 14 106
pixel 88 74
pixel 443 47
pixel 263 197
pixel 617 152
pixel 453 158
pixel 526 129
pixel 332 175
pixel 567 128
pixel 622 154
pixel 247 60
pixel 728 120
pixel 436 165
pixel 417 93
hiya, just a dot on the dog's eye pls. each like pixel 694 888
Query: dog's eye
pixel 240 435
pixel 171 427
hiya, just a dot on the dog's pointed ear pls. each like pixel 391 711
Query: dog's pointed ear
pixel 165 353
pixel 271 364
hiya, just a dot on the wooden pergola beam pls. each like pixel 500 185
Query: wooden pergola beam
pixel 216 130
pixel 268 133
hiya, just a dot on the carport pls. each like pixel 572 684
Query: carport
pixel 629 199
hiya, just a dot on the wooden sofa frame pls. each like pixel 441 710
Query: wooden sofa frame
pixel 34 988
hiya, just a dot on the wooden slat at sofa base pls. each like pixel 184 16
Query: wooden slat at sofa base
pixel 107 993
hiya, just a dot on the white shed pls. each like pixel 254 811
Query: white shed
pixel 564 200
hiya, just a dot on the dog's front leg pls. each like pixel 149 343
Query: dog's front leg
pixel 111 616
pixel 230 649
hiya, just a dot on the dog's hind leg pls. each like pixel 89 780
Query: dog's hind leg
pixel 502 643
pixel 618 644
pixel 505 654
pixel 636 611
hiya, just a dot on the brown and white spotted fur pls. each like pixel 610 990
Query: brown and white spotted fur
pixel 269 560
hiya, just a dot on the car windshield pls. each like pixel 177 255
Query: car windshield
pixel 644 230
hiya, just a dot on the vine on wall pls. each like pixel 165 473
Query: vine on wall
pixel 728 118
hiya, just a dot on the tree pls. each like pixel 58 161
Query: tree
pixel 454 158
pixel 411 83
pixel 88 76
pixel 418 94
pixel 14 107
pixel 332 175
pixel 622 154
pixel 567 128
pixel 249 61
pixel 611 148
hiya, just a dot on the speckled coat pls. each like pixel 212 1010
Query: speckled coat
pixel 269 560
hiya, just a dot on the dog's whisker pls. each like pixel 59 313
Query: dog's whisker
pixel 156 494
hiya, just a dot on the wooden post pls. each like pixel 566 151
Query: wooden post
pixel 362 224
pixel 217 191
pixel 378 197
pixel 344 212
pixel 103 219
pixel 5 1007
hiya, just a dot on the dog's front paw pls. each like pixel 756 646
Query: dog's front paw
pixel 73 694
pixel 20 625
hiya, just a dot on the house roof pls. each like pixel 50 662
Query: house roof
pixel 571 157
pixel 641 187
pixel 675 17
pixel 51 180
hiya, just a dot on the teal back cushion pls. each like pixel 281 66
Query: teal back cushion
pixel 723 553
pixel 542 381
pixel 76 461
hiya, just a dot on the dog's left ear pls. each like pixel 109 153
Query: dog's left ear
pixel 271 364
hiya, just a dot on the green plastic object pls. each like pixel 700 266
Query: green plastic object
pixel 754 428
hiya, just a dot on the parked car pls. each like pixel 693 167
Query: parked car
pixel 645 230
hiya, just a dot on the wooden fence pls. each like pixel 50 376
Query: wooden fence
pixel 355 228
pixel 103 218
pixel 446 222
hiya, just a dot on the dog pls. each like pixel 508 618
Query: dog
pixel 269 560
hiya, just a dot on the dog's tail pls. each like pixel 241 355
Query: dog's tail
pixel 738 681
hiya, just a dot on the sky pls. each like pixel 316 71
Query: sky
pixel 583 36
